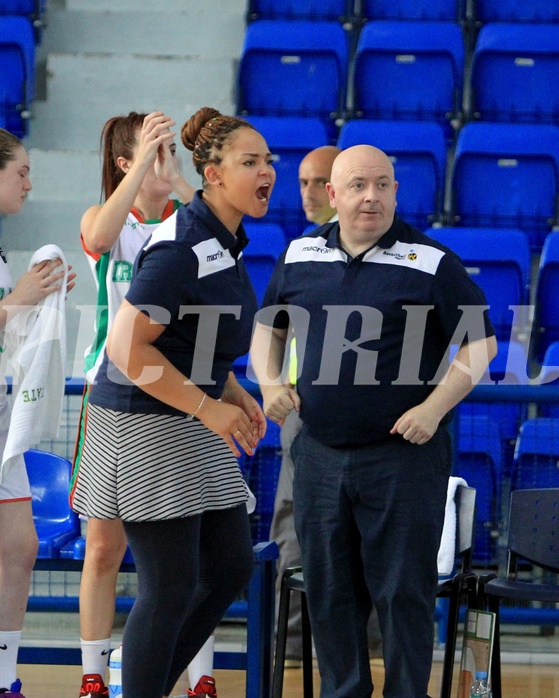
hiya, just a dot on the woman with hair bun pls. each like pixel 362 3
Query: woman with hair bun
pixel 139 173
pixel 166 418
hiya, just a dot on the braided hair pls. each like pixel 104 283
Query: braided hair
pixel 205 134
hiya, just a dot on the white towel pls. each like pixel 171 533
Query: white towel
pixel 37 340
pixel 445 558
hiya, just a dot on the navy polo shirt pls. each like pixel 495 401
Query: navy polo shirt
pixel 374 330
pixel 190 277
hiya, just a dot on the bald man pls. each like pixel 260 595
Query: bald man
pixel 374 305
pixel 314 175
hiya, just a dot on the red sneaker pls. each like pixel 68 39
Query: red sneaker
pixel 205 688
pixel 93 686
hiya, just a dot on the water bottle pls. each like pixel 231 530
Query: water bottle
pixel 480 686
pixel 115 673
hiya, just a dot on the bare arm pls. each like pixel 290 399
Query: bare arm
pixel 101 225
pixel 267 355
pixel 420 423
pixel 130 348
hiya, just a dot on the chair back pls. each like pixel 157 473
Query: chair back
pixel 534 527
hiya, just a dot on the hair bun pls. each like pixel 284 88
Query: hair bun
pixel 191 129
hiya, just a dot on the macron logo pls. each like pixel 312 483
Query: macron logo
pixel 317 248
pixel 214 256
pixel 3 647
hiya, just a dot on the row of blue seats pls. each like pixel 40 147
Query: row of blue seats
pixel 501 175
pixel 304 68
pixel 349 10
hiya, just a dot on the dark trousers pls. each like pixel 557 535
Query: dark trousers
pixel 369 521
pixel 189 571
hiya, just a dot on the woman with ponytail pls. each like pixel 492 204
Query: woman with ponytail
pixel 166 418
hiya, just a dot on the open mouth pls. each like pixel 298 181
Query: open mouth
pixel 263 192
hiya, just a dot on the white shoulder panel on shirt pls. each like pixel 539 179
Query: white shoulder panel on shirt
pixel 212 257
pixel 407 254
pixel 313 250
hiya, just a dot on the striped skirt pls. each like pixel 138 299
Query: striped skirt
pixel 149 467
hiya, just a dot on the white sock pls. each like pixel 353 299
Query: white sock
pixel 95 656
pixel 9 645
pixel 203 662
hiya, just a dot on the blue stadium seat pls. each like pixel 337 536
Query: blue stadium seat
pixel 293 68
pixel 537 454
pixel 514 72
pixel 55 522
pixel 507 176
pixel 547 296
pixel 418 151
pixel 549 375
pixel 394 67
pixel 509 367
pixel 314 10
pixel 498 260
pixel 449 10
pixel 267 242
pixel 517 10
pixel 289 140
pixel 478 461
pixel 17 74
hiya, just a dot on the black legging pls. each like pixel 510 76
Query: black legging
pixel 189 572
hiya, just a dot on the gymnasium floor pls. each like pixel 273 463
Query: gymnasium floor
pixel 531 662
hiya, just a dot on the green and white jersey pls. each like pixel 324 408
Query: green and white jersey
pixel 112 272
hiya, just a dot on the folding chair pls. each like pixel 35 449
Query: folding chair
pixel 507 176
pixel 516 11
pixel 547 296
pixel 533 532
pixel 55 522
pixel 17 77
pixel 314 10
pixel 498 260
pixel 404 57
pixel 446 10
pixel 293 68
pixel 514 68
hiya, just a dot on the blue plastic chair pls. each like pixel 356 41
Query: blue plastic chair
pixel 449 10
pixel 55 522
pixel 289 139
pixel 418 152
pixel 267 242
pixel 537 454
pixel 498 260
pixel 507 176
pixel 394 67
pixel 514 72
pixel 293 68
pixel 314 10
pixel 547 296
pixel 17 76
pixel 479 461
pixel 517 11
pixel 549 375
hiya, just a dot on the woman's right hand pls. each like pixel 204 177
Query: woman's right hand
pixel 37 283
pixel 230 422
pixel 154 134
